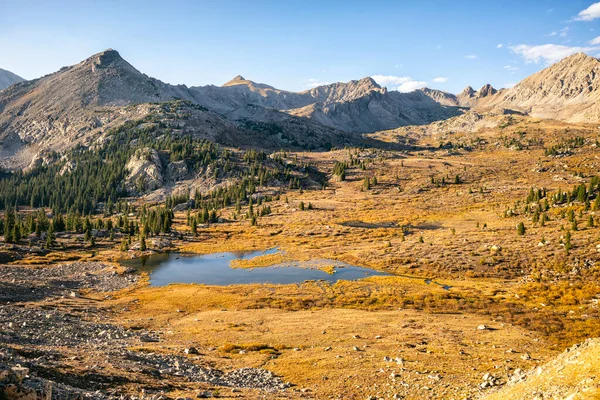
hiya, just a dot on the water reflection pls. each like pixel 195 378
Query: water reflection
pixel 214 269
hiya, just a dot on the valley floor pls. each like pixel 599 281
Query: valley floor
pixel 449 214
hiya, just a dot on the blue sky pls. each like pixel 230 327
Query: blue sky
pixel 294 45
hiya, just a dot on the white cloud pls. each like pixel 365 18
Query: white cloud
pixel 399 83
pixel 511 68
pixel 398 65
pixel 562 33
pixel 441 79
pixel 589 14
pixel 312 83
pixel 499 46
pixel 390 80
pixel 595 41
pixel 410 86
pixel 549 53
pixel 471 56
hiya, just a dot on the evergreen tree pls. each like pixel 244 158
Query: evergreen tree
pixel 50 237
pixel 9 222
pixel 521 229
pixel 367 183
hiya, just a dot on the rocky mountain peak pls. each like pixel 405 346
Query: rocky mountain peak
pixel 106 58
pixel 468 91
pixel 369 82
pixel 486 90
pixel 238 80
pixel 577 58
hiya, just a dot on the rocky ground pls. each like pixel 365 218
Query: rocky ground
pixel 56 343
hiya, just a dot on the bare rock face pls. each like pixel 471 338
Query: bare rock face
pixel 177 170
pixel 145 171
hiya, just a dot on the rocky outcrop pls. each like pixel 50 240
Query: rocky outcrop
pixel 145 171
pixel 7 79
pixel 177 170
pixel 574 374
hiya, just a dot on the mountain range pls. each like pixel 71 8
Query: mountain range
pixel 77 105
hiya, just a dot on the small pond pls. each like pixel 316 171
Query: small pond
pixel 214 269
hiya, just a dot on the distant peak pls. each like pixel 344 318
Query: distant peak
pixel 486 90
pixel 468 91
pixel 238 80
pixel 579 56
pixel 369 81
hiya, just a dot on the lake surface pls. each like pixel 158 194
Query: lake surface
pixel 214 269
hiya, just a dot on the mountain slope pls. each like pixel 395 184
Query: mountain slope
pixel 568 90
pixel 7 78
pixel 61 109
pixel 379 110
